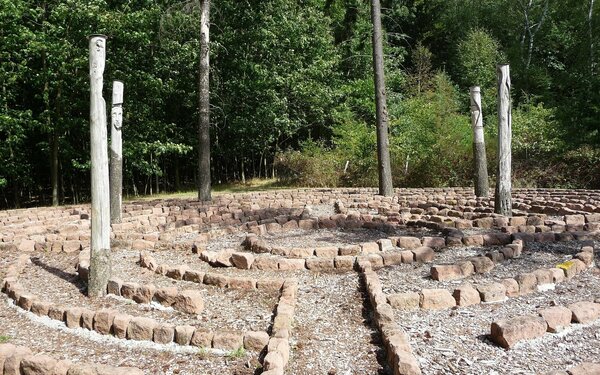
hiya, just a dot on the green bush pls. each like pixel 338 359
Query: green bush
pixel 314 166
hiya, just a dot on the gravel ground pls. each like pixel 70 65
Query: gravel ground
pixel 455 341
pixel 414 277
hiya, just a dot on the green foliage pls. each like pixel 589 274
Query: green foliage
pixel 313 166
pixel 4 339
pixel 237 354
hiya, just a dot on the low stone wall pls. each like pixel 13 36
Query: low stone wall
pixel 586 368
pixel 399 352
pixel 21 360
pixel 508 332
pixel 124 326
pixel 522 284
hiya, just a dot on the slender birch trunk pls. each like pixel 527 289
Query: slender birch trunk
pixel 591 36
pixel 383 144
pixel 100 267
pixel 116 153
pixel 503 199
pixel 204 183
pixel 479 156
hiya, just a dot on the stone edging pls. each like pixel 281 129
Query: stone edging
pixel 21 360
pixel 508 332
pixel 522 284
pixel 399 352
pixel 124 326
pixel 585 368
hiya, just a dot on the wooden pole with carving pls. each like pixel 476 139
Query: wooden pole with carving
pixel 116 153
pixel 503 198
pixel 479 156
pixel 100 267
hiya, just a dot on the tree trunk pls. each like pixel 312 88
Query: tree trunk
pixel 100 267
pixel 503 200
pixel 204 185
pixel 383 144
pixel 54 167
pixel 591 36
pixel 116 153
pixel 479 156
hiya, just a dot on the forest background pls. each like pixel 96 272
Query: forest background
pixel 292 92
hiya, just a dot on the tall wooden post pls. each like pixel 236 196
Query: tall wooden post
pixel 100 266
pixel 204 183
pixel 116 153
pixel 479 156
pixel 383 144
pixel 503 199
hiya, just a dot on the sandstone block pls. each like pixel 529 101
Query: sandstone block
pixel 369 248
pixel 120 324
pixel 436 299
pixel 466 295
pixel 527 283
pixel 73 317
pixel 408 243
pixel 512 287
pixel 344 262
pixel 37 365
pixel 255 340
pixel 494 292
pixel 452 271
pixel 163 333
pixel 423 254
pixel 242 260
pixel 291 264
pixel 404 301
pixel 319 264
pixel 326 252
pixel 216 279
pixel 508 332
pixel 584 312
pixel 434 242
pixel 166 296
pixel 144 293
pixel 202 338
pixel 226 340
pixel 189 301
pixel 141 328
pixel 114 286
pixel 103 321
pixel 482 264
pixel 557 318
pixel 183 334
pixel 128 290
pixel 194 276
pixel 385 244
pixel 586 368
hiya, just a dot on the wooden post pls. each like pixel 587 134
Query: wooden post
pixel 204 183
pixel 503 200
pixel 479 156
pixel 116 153
pixel 100 267
pixel 383 144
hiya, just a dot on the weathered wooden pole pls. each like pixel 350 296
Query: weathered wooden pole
pixel 503 199
pixel 116 153
pixel 204 183
pixel 383 144
pixel 100 266
pixel 479 156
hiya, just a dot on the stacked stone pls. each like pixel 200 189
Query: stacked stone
pixel 399 352
pixel 21 360
pixel 508 332
pixel 278 349
pixel 523 284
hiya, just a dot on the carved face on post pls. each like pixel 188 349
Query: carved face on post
pixel 98 44
pixel 117 116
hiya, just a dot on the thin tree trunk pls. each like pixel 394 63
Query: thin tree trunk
pixel 100 267
pixel 479 156
pixel 116 153
pixel 54 166
pixel 204 183
pixel 591 36
pixel 383 144
pixel 503 199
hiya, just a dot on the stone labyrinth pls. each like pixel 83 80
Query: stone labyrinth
pixel 309 281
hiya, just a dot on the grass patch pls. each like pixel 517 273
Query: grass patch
pixel 203 353
pixel 4 339
pixel 238 353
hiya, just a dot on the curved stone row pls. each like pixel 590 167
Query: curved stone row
pixel 124 326
pixel 20 360
pixel 467 294
pixel 508 332
pixel 400 355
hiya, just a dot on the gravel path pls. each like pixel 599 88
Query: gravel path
pixel 332 333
